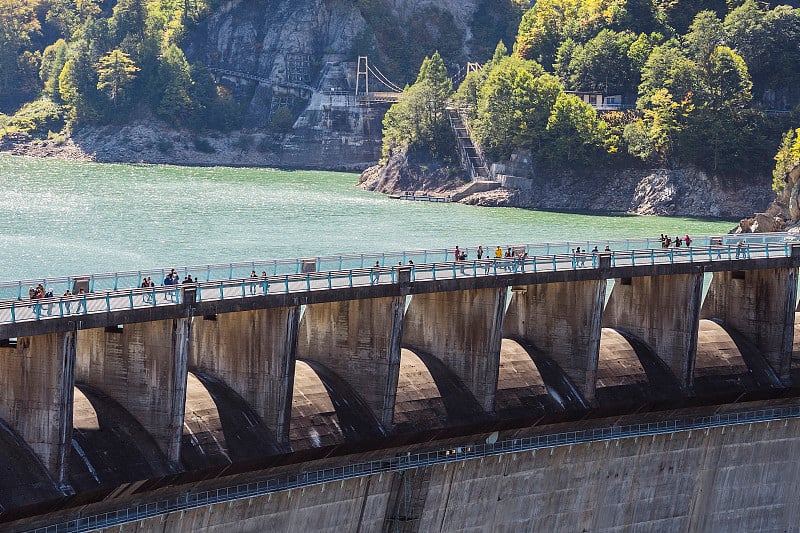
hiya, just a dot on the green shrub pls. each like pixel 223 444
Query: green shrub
pixel 38 118
pixel 202 145
pixel 282 120
pixel 165 146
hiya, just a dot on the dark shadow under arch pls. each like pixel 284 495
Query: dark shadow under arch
pixel 24 478
pixel 761 371
pixel 120 451
pixel 558 384
pixel 356 419
pixel 663 383
pixel 247 437
pixel 459 402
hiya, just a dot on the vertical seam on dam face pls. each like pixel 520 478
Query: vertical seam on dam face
pixel 289 358
pixel 395 341
pixel 68 358
pixel 181 344
pixel 694 305
pixel 788 329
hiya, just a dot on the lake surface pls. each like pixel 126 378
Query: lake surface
pixel 60 218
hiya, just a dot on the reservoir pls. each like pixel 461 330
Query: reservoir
pixel 63 218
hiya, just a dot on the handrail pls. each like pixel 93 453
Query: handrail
pixel 211 272
pixel 394 463
pixel 102 301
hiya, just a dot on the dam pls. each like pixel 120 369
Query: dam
pixel 474 390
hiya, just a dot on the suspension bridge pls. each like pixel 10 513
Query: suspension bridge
pixel 364 96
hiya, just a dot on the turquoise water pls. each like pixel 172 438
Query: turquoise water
pixel 61 218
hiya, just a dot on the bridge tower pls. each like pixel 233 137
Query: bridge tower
pixel 362 70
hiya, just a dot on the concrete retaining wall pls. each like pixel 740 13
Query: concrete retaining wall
pixel 735 478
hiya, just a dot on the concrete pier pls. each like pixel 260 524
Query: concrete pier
pixel 563 321
pixel 760 306
pixel 253 353
pixel 463 329
pixel 143 367
pixel 664 313
pixel 37 377
pixel 359 341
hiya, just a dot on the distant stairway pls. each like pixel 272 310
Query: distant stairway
pixel 471 159
pixel 407 501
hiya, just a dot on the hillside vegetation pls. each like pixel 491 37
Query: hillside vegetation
pixel 709 84
pixel 75 63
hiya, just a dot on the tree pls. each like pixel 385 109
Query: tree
pixel 705 35
pixel 53 60
pixel 418 119
pixel 18 26
pixel 668 68
pixel 575 134
pixel 175 82
pixel 513 107
pixel 128 18
pixel 115 72
pixel 787 158
pixel 77 86
pixel 602 64
pixel 663 123
pixel 70 15
pixel 543 28
pixel 728 80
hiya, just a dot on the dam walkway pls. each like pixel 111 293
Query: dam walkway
pixel 337 272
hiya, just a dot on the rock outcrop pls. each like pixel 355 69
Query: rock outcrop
pixel 783 214
pixel 412 172
pixel 679 192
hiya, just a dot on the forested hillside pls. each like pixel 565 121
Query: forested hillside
pixel 710 84
pixel 78 63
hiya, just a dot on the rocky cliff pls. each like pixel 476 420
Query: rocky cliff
pixel 679 192
pixel 783 214
pixel 301 55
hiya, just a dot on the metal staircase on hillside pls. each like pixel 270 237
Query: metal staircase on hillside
pixel 409 492
pixel 472 159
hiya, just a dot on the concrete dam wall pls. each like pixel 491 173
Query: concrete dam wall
pixel 732 478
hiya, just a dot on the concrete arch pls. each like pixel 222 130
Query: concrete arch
pixel 24 478
pixel 419 404
pixel 354 417
pixel 109 446
pixel 729 361
pixel 621 377
pixel 453 402
pixel 663 383
pixel 521 390
pixel 558 384
pixel 313 422
pixel 220 427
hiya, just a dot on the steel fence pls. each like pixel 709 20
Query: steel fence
pixel 112 281
pixel 412 460
pixel 104 301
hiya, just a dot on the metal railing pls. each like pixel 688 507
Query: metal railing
pixel 113 281
pixel 413 460
pixel 104 301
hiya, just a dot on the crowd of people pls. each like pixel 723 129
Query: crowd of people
pixel 513 258
pixel 666 241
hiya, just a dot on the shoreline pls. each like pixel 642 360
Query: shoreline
pixel 653 192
